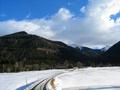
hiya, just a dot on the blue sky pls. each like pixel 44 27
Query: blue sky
pixel 92 23
pixel 21 9
pixel 115 16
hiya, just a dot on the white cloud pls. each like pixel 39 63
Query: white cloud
pixel 11 26
pixel 82 9
pixel 96 29
pixel 99 12
pixel 63 14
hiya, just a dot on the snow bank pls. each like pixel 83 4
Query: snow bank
pixel 21 80
pixel 89 78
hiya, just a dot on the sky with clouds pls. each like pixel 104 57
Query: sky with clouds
pixel 93 23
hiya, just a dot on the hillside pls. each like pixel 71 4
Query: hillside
pixel 22 51
pixel 91 52
pixel 112 55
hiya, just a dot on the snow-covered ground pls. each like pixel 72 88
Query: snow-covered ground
pixel 77 79
pixel 21 80
pixel 89 78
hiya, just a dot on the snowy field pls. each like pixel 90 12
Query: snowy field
pixel 85 79
pixel 19 81
pixel 90 79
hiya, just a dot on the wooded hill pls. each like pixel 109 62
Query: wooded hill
pixel 23 52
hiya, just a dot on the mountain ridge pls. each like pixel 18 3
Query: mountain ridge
pixel 24 52
pixel 31 52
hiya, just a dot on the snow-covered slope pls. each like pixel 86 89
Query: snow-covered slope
pixel 21 80
pixel 89 78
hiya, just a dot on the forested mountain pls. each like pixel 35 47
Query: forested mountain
pixel 91 52
pixel 112 55
pixel 22 51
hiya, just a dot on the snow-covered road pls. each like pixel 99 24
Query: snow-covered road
pixel 43 85
pixel 23 80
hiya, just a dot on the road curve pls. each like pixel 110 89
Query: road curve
pixel 42 84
